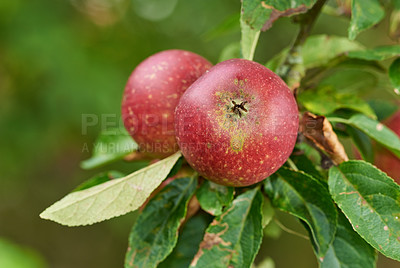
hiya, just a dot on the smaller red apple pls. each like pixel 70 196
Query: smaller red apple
pixel 151 95
pixel 384 159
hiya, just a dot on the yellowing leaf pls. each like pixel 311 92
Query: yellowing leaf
pixel 110 199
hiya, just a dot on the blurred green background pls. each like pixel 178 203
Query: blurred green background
pixel 62 59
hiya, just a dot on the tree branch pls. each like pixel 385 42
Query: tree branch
pixel 292 69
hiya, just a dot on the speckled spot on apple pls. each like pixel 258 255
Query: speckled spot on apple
pixel 229 120
pixel 237 142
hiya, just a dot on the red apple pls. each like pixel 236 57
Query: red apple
pixel 151 95
pixel 384 159
pixel 237 124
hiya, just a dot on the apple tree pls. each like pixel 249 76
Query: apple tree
pixel 229 145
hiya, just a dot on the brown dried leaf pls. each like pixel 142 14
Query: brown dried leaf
pixel 318 130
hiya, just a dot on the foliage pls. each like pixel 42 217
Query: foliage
pixel 348 249
pixel 16 256
pixel 112 198
pixel 111 145
pixel 213 197
pixel 304 197
pixel 164 213
pixel 368 197
pixel 349 209
pixel 234 237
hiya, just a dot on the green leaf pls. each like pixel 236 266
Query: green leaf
pixel 254 14
pixel 310 152
pixel 364 15
pixel 268 212
pixel 363 143
pixel 351 81
pixel 154 234
pixel 15 256
pixel 98 179
pixel 371 202
pixel 112 198
pixel 318 50
pixel 382 108
pixel 232 51
pixel 376 131
pixel 213 197
pixel 188 242
pixel 348 249
pixel 357 64
pixel 175 169
pixel 378 53
pixel 304 197
pixel 305 164
pixel 326 100
pixel 234 237
pixel 261 14
pixel 111 145
pixel 394 75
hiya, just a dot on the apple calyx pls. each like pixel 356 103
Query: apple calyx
pixel 238 109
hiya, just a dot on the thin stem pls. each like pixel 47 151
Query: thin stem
pixel 249 40
pixel 254 45
pixel 307 21
pixel 292 164
pixel 290 231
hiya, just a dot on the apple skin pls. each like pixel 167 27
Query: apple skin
pixel 384 159
pixel 151 95
pixel 237 147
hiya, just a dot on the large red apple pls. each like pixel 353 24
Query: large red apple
pixel 151 95
pixel 384 159
pixel 237 124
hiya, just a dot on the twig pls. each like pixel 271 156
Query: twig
pixel 292 68
pixel 290 231
pixel 292 164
